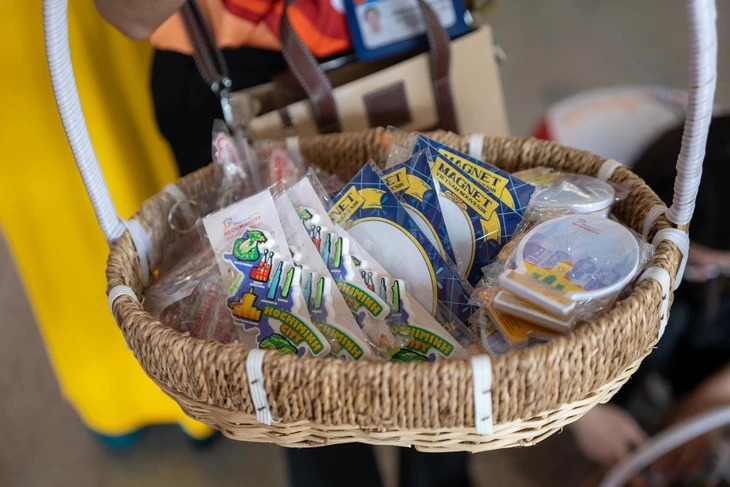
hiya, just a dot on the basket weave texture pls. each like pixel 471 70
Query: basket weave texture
pixel 536 391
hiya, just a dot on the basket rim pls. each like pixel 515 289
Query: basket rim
pixel 214 374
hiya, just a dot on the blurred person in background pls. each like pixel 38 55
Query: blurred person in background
pixel 247 31
pixel 185 107
pixel 693 356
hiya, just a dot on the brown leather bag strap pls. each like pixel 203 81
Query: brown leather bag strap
pixel 440 62
pixel 310 76
pixel 207 56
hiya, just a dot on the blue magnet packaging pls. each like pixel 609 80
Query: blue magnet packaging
pixel 262 282
pixel 413 183
pixel 375 217
pixel 478 204
pixel 512 191
pixel 381 28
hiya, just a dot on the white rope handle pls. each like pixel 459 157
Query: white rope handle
pixel 55 24
pixel 662 277
pixel 702 78
pixel 703 66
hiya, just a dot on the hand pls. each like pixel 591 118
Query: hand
pixel 607 434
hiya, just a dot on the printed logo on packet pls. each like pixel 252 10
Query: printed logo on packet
pixel 510 190
pixel 481 224
pixel 392 237
pixel 413 182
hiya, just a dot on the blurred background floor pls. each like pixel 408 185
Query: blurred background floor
pixel 554 49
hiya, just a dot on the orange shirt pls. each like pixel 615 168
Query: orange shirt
pixel 320 23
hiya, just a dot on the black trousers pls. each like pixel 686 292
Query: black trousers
pixel 354 465
pixel 185 106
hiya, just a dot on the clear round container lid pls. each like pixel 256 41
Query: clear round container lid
pixel 580 193
pixel 583 256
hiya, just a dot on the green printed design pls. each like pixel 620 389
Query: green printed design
pixel 338 253
pixel 278 342
pixel 293 328
pixel 405 356
pixel 287 283
pixel 235 285
pixel 396 296
pixel 341 339
pixel 320 293
pixel 357 298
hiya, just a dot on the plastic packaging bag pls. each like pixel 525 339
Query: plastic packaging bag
pixel 566 269
pixel 412 181
pixel 375 217
pixel 369 309
pixel 428 340
pixel 327 308
pixel 482 205
pixel 567 193
pixel 264 294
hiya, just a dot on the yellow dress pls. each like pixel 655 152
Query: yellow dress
pixel 48 220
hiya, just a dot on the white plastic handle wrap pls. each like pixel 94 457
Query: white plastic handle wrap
pixel 55 24
pixel 702 78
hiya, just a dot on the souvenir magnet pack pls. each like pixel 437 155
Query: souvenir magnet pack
pixel 479 224
pixel 412 181
pixel 429 341
pixel 327 308
pixel 264 294
pixel 374 216
pixel 572 258
pixel 367 306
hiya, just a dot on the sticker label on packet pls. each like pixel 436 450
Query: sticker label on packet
pixel 413 182
pixel 374 216
pixel 510 190
pixel 428 340
pixel 479 224
pixel 327 308
pixel 264 294
pixel 368 308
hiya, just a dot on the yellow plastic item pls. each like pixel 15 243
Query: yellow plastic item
pixel 48 220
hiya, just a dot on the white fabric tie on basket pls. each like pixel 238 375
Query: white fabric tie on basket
pixel 651 219
pixel 175 192
pixel 142 243
pixel 255 374
pixel 117 292
pixel 607 169
pixel 481 371
pixel 662 277
pixel 292 145
pixel 476 146
pixel 681 240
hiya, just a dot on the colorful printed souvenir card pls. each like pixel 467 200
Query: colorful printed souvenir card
pixel 263 285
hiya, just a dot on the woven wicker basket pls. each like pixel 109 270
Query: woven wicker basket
pixel 536 391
